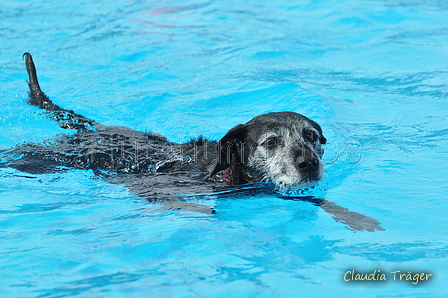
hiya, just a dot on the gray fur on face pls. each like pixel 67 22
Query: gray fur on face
pixel 279 161
pixel 284 148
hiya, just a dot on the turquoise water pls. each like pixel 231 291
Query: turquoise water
pixel 373 73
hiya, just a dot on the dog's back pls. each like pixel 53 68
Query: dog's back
pixel 283 148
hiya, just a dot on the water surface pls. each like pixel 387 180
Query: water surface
pixel 373 73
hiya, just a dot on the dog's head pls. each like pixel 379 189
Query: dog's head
pixel 284 148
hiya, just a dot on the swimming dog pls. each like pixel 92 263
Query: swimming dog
pixel 281 148
pixel 284 148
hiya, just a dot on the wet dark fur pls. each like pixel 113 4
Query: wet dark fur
pixel 110 149
pixel 152 167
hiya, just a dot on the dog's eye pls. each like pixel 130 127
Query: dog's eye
pixel 271 142
pixel 311 136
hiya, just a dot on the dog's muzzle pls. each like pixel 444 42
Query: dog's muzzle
pixel 310 169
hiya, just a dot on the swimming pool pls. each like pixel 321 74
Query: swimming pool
pixel 372 73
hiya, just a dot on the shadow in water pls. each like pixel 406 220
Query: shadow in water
pixel 353 221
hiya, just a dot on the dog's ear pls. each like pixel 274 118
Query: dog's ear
pixel 228 148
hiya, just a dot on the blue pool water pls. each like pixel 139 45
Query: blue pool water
pixel 373 73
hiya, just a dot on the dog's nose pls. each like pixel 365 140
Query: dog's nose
pixel 308 166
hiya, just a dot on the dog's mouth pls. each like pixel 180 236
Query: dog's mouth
pixel 306 183
pixel 300 181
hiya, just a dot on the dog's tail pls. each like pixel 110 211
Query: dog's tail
pixel 66 118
